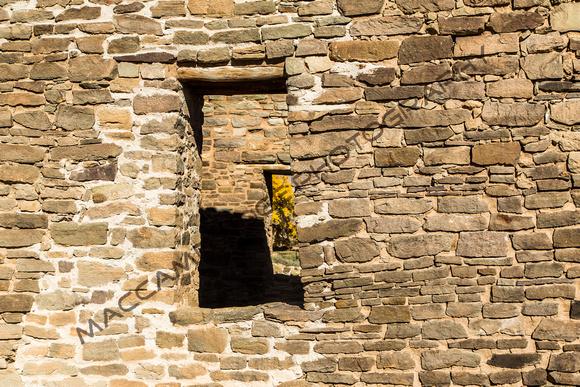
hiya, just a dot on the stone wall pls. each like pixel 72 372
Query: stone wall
pixel 435 154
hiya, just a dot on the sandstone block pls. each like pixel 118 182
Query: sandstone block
pixel 355 8
pixel 539 309
pixel 21 99
pixel 544 269
pixel 565 362
pixel 461 25
pixel 546 200
pixel 533 241
pixel 18 173
pixel 83 13
pixel 511 88
pixel 458 155
pixel 403 206
pixel 565 17
pixel 394 93
pixel 411 118
pixel 567 112
pixel 389 314
pixel 75 234
pixel 137 24
pixel 396 157
pixel 399 360
pixel 349 208
pixel 388 378
pixel 333 347
pixel 557 330
pixel 152 237
pixel 443 330
pixel 486 44
pixel 220 7
pixel 207 340
pixel 515 21
pixel 425 48
pixel 75 117
pixel 106 350
pixel 338 95
pixel 493 65
pixel 86 152
pixel 513 114
pixel 157 103
pixel 284 32
pixel 434 360
pixel 16 303
pixel 469 205
pixel 356 250
pixel 34 119
pixel 550 291
pixel 455 223
pixel 329 230
pixel 364 51
pixel 21 153
pixel 92 68
pixel 387 25
pixel 482 244
pixel 507 222
pixel 544 66
pixel 412 6
pixel 392 225
pixel 408 246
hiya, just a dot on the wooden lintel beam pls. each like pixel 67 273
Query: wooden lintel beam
pixel 229 74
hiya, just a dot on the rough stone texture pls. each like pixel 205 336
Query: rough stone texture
pixel 363 51
pixel 423 49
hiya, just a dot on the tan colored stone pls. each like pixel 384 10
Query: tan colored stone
pixel 16 303
pixel 425 48
pixel 152 237
pixel 388 25
pixel 358 8
pixel 84 13
pixel 486 44
pixel 511 88
pixel 19 173
pixel 211 8
pixel 513 114
pixel 207 340
pixel 458 155
pixel 137 24
pixel 21 153
pixel 34 119
pixel 75 234
pixel 497 153
pixel 75 117
pixel 396 157
pixel 567 112
pixel 544 66
pixel 92 68
pixel 566 17
pixel 21 99
pixel 96 273
pixel 364 51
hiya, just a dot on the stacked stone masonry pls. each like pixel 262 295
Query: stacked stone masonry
pixel 435 148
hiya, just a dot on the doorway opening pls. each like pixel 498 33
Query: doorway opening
pixel 244 137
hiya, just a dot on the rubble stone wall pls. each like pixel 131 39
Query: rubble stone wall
pixel 436 159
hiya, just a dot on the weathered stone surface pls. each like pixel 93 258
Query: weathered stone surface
pixel 455 223
pixel 356 250
pixel 156 103
pixel 19 173
pixel 461 25
pixel 533 241
pixel 332 347
pixel 86 152
pixel 457 155
pixel 544 269
pixel 21 153
pixel 565 17
pixel 328 123
pixel 16 303
pixel 399 360
pixel 34 119
pixel 486 45
pixel 482 244
pixel 514 360
pixel 394 93
pixel 552 329
pixel 329 230
pixel 338 95
pixel 515 21
pixel 550 291
pixel 508 222
pixel 75 234
pixel 106 350
pixel 513 114
pixel 434 360
pixel 425 48
pixel 321 145
pixel 492 65
pixel 470 205
pixel 92 68
pixel 377 76
pixel 411 118
pixel 392 225
pixel 365 51
pixel 440 92
pixel 357 8
pixel 152 237
pixel 565 362
pixel 284 32
pixel 403 206
pixel 408 246
pixel 544 66
pixel 349 208
pixel 546 200
pixel 567 112
pixel 207 340
pixel 389 314
pixel 538 43
pixel 396 157
pixel 413 6
pixel 443 330
pixel 75 117
pixel 388 25
pixel 21 99
pixel 511 88
pixel 97 273
pixel 137 24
